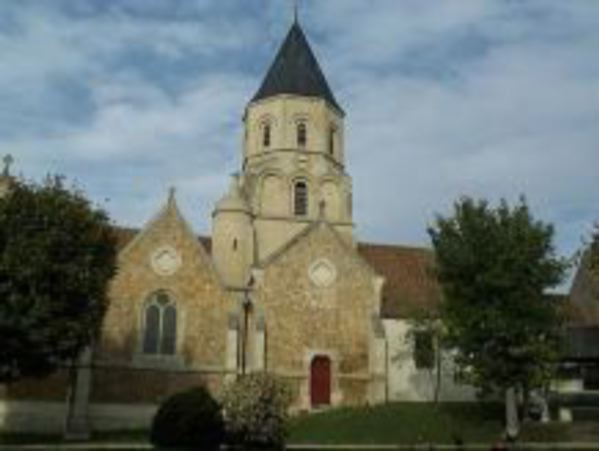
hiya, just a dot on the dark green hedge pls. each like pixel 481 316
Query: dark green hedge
pixel 190 419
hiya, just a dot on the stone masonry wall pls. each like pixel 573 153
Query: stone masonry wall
pixel 304 319
pixel 202 317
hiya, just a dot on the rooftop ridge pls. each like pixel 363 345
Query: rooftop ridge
pixel 407 247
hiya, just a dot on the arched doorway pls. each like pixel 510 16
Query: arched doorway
pixel 320 381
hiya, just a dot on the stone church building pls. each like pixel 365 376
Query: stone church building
pixel 282 285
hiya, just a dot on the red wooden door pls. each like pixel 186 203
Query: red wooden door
pixel 320 381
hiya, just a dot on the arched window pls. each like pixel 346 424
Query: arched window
pixel 302 135
pixel 160 325
pixel 266 135
pixel 300 198
pixel 332 139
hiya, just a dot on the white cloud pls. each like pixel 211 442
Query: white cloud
pixel 444 98
pixel 517 117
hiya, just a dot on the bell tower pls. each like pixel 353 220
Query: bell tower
pixel 293 151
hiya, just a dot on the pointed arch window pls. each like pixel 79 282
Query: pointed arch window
pixel 160 325
pixel 266 135
pixel 300 198
pixel 302 135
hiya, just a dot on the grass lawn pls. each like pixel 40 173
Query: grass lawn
pixel 397 423
pixel 411 423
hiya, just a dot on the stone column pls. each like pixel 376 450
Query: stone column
pixel 77 426
pixel 232 357
pixel 259 363
pixel 512 422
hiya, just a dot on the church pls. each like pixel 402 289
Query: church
pixel 282 285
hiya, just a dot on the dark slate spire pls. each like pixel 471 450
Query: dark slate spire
pixel 295 70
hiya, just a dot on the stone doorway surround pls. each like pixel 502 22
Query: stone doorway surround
pixel 305 388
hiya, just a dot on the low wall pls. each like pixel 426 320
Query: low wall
pixel 121 417
pixel 49 417
pixel 32 417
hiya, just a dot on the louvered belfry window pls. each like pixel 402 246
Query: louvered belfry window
pixel 300 198
pixel 302 135
pixel 160 325
pixel 266 135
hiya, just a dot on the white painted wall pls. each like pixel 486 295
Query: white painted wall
pixel 49 417
pixel 121 417
pixel 406 382
pixel 568 385
pixel 33 417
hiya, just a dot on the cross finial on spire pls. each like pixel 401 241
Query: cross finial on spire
pixel 171 194
pixel 8 160
pixel 295 11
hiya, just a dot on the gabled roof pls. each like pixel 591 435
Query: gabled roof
pixel 295 70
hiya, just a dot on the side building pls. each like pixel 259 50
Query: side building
pixel 576 389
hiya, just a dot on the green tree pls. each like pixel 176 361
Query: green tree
pixel 494 265
pixel 595 249
pixel 57 254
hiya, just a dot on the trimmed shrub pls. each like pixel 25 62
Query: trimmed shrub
pixel 256 411
pixel 190 419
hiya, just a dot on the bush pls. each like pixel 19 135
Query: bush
pixel 256 410
pixel 189 419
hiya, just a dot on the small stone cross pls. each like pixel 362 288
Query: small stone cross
pixel 8 160
pixel 171 194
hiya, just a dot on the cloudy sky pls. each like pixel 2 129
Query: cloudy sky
pixel 488 98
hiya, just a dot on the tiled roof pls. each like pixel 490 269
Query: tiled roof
pixel 410 286
pixel 573 315
pixel 123 236
pixel 584 295
pixel 295 70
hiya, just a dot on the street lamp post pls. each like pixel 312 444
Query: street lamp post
pixel 247 304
